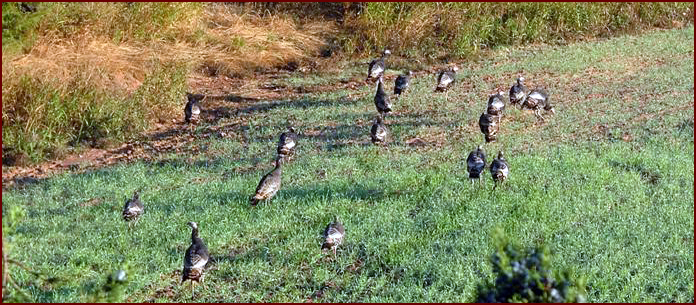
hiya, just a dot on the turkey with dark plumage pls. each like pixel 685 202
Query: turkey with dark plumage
pixel 518 92
pixel 499 170
pixel 446 79
pixel 192 109
pixel 496 104
pixel 489 126
pixel 287 143
pixel 537 100
pixel 382 102
pixel 133 207
pixel 195 259
pixel 476 164
pixel 401 83
pixel 379 131
pixel 377 66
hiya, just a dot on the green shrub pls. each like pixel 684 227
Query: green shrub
pixel 527 277
pixel 17 27
pixel 41 118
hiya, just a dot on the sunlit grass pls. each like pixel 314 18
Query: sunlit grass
pixel 606 183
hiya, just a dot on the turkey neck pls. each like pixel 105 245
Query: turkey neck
pixel 278 167
pixel 194 236
pixel 339 226
pixel 380 87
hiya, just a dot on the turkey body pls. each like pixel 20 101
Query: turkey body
pixel 192 110
pixel 333 236
pixel 446 79
pixel 489 126
pixel 496 104
pixel 382 102
pixel 401 83
pixel 377 66
pixel 499 170
pixel 476 163
pixel 379 131
pixel 196 257
pixel 133 207
pixel 537 100
pixel 287 143
pixel 518 92
pixel 269 184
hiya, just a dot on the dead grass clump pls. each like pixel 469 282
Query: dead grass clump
pixel 237 44
pixel 105 64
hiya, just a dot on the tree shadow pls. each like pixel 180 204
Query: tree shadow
pixel 343 136
pixel 182 163
pixel 216 112
pixel 169 133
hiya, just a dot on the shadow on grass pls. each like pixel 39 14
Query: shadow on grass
pixel 364 194
pixel 181 162
pixel 329 138
pixel 652 177
pixel 217 112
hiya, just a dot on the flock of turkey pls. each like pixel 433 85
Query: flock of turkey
pixel 489 122
pixel 196 256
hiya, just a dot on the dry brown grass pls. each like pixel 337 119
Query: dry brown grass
pixel 221 41
pixel 103 63
pixel 237 43
pixel 93 59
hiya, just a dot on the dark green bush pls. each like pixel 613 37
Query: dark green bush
pixel 527 276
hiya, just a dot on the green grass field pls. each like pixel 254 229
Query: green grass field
pixel 606 184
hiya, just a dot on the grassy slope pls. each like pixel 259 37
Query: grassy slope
pixel 619 212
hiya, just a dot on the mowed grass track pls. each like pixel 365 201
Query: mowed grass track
pixel 606 183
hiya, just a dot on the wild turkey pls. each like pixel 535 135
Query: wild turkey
pixel 192 110
pixel 445 79
pixel 269 184
pixel 26 8
pixel 496 104
pixel 499 170
pixel 382 99
pixel 195 259
pixel 133 207
pixel 402 83
pixel 377 66
pixel 333 236
pixel 476 163
pixel 518 92
pixel 379 131
pixel 536 100
pixel 489 126
pixel 287 142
